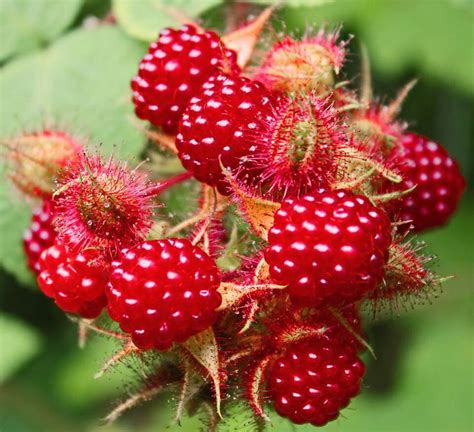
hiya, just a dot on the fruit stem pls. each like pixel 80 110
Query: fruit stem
pixel 161 186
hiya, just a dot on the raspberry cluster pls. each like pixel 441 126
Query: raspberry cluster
pixel 308 195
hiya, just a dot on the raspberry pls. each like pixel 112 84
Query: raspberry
pixel 76 280
pixel 163 291
pixel 314 380
pixel 438 179
pixel 329 247
pixel 40 235
pixel 173 70
pixel 214 126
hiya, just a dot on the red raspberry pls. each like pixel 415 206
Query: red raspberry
pixel 328 247
pixel 163 291
pixel 314 380
pixel 173 70
pixel 214 126
pixel 76 280
pixel 40 235
pixel 438 179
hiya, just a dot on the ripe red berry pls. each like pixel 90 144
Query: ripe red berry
pixel 329 247
pixel 173 70
pixel 40 235
pixel 76 280
pixel 438 180
pixel 215 126
pixel 163 291
pixel 314 380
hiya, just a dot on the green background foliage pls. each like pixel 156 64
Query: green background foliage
pixel 58 67
pixel 141 19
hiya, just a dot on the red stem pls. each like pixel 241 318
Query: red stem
pixel 161 186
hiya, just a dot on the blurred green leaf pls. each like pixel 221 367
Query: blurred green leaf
pixel 96 8
pixel 14 218
pixel 19 344
pixel 145 18
pixel 428 35
pixel 28 24
pixel 294 3
pixel 180 202
pixel 74 380
pixel 80 83
pixel 434 37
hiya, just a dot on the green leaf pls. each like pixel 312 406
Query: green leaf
pixel 14 218
pixel 145 18
pixel 81 83
pixel 19 344
pixel 74 381
pixel 29 24
pixel 427 35
pixel 294 3
pixel 437 49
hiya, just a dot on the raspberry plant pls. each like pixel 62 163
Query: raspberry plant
pixel 309 192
